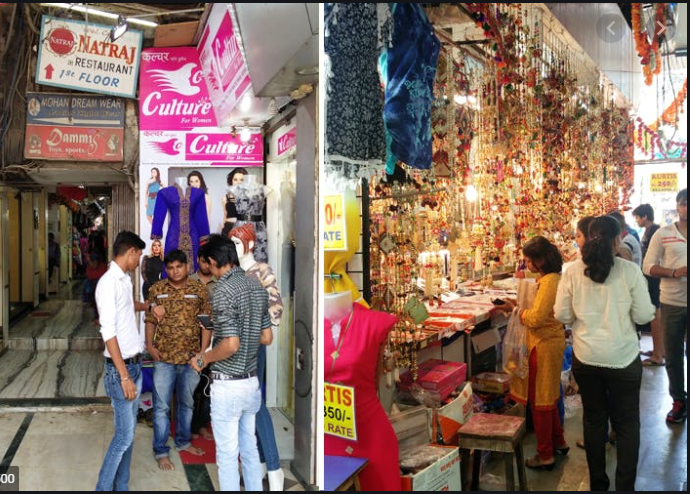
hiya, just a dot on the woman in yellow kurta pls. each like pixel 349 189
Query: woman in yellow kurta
pixel 545 344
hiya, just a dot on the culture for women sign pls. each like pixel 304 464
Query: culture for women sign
pixel 200 147
pixel 74 127
pixel 78 55
pixel 222 61
pixel 172 90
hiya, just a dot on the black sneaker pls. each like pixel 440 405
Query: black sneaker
pixel 678 413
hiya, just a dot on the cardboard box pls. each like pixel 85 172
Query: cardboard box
pixel 452 416
pixel 492 382
pixel 442 475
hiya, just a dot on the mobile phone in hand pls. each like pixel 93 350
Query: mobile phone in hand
pixel 205 319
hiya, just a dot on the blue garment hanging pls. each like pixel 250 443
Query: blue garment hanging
pixel 410 69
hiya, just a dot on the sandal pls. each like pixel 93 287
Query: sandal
pixel 536 463
pixel 653 363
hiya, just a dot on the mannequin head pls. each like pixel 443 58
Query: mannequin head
pixel 236 176
pixel 244 238
pixel 337 305
pixel 196 179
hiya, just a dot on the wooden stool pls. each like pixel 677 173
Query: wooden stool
pixel 341 473
pixel 491 432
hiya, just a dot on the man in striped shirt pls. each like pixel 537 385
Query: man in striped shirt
pixel 241 322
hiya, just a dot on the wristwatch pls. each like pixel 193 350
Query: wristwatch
pixel 200 362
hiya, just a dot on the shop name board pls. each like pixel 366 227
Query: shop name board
pixel 334 231
pixel 76 55
pixel 287 142
pixel 339 411
pixel 664 182
pixel 172 91
pixel 211 147
pixel 222 61
pixel 71 127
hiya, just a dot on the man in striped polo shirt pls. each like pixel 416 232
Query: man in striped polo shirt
pixel 241 322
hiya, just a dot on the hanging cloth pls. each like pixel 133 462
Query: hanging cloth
pixel 410 68
pixel 354 35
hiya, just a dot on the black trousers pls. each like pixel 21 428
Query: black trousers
pixel 623 408
pixel 201 416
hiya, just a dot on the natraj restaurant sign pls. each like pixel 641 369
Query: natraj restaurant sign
pixel 75 127
pixel 200 147
pixel 76 55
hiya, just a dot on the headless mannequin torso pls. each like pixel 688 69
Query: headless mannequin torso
pixel 336 306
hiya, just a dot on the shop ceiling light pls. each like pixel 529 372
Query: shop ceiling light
pixel 245 133
pixel 91 11
pixel 117 31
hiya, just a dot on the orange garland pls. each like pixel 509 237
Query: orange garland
pixel 671 114
pixel 651 58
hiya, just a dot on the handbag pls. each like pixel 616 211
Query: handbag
pixel 416 309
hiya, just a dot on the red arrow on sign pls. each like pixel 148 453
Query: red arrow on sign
pixel 49 71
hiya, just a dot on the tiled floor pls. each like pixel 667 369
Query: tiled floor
pixel 56 422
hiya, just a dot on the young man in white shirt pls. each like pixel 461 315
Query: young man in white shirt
pixel 123 347
pixel 667 258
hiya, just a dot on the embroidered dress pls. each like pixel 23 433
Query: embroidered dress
pixel 188 220
pixel 410 69
pixel 354 36
pixel 249 202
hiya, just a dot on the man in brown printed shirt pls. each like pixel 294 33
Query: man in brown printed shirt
pixel 172 341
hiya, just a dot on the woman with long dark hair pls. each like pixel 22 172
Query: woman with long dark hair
pixel 235 177
pixel 196 179
pixel 541 388
pixel 602 297
pixel 152 187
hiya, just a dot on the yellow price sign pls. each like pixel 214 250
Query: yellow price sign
pixel 334 229
pixel 664 182
pixel 339 411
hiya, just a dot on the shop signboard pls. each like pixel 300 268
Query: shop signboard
pixel 283 142
pixel 222 61
pixel 664 182
pixel 334 231
pixel 74 127
pixel 78 55
pixel 339 411
pixel 172 90
pixel 200 147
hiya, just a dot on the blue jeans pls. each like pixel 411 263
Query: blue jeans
pixel 114 474
pixel 181 379
pixel 675 322
pixel 268 449
pixel 234 405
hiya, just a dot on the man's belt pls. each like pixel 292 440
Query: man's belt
pixel 131 360
pixel 250 217
pixel 219 376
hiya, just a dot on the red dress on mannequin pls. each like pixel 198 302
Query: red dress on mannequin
pixel 356 367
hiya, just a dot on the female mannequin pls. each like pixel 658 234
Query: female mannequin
pixel 250 199
pixel 244 239
pixel 354 335
pixel 188 221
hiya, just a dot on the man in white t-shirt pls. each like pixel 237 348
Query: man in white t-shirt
pixel 667 258
pixel 123 347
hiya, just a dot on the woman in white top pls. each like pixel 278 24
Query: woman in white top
pixel 602 297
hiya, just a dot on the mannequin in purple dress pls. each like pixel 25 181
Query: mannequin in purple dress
pixel 188 219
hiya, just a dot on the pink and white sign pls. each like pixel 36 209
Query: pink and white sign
pixel 172 90
pixel 287 141
pixel 200 147
pixel 227 75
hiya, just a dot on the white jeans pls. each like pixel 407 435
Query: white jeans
pixel 234 405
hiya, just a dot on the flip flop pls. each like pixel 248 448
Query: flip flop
pixel 648 353
pixel 653 363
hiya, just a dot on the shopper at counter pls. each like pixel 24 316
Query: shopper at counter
pixel 545 344
pixel 602 297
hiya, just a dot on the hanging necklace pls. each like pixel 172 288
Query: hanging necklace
pixel 336 353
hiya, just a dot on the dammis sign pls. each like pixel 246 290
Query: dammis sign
pixel 200 147
pixel 76 55
pixel 172 91
pixel 74 127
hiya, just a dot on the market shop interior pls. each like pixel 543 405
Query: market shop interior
pixel 483 132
